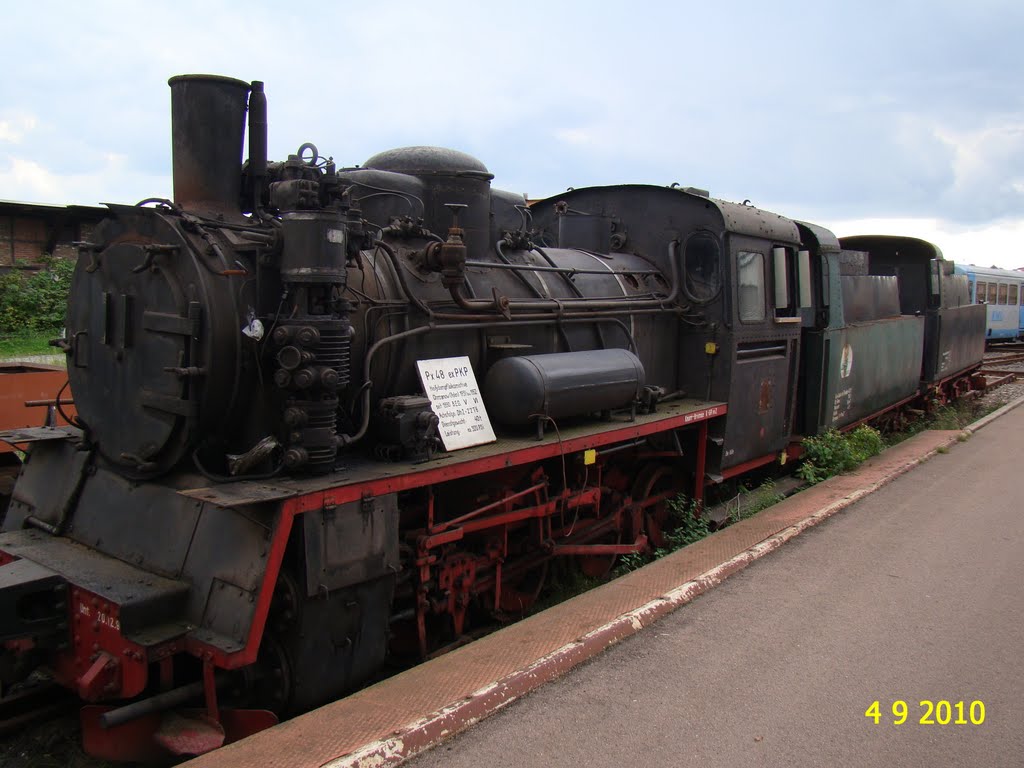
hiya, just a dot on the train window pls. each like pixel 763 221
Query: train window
pixel 750 276
pixel 701 279
pixel 991 293
pixel 826 281
pixel 804 279
pixel 979 293
pixel 785 300
pixel 1012 296
pixel 1002 293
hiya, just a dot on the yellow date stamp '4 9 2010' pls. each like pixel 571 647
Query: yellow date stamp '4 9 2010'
pixel 940 712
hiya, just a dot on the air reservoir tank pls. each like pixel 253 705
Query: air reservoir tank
pixel 518 390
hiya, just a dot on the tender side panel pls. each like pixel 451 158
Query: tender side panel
pixel 864 368
pixel 955 341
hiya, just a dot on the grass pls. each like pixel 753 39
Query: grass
pixel 958 415
pixel 28 342
pixel 947 417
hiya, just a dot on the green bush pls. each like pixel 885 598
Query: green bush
pixel 834 452
pixel 35 300
pixel 864 442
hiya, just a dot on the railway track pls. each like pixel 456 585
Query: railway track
pixel 1003 366
pixel 998 359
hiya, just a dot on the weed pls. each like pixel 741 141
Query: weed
pixel 956 416
pixel 565 580
pixel 631 562
pixel 948 417
pixel 864 443
pixel 686 525
pixel 749 502
pixel 834 452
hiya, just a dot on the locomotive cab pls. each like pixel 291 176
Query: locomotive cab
pixel 741 281
pixel 761 335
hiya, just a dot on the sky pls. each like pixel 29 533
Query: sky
pixel 898 117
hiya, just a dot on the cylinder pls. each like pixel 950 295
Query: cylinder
pixel 207 136
pixel 518 390
pixel 314 247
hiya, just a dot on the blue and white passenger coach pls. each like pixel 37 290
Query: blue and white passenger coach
pixel 1002 291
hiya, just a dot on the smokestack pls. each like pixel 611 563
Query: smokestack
pixel 257 141
pixel 207 135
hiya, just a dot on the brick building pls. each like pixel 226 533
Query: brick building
pixel 29 231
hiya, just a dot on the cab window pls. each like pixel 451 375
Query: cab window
pixel 750 277
pixel 700 264
pixel 979 292
pixel 1012 296
pixel 991 293
pixel 784 265
pixel 1002 293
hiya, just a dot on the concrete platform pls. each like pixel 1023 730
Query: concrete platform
pixel 397 718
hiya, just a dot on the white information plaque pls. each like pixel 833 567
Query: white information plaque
pixel 455 397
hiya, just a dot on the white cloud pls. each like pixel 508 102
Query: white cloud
pixel 13 128
pixel 575 136
pixel 111 180
pixel 988 162
pixel 23 179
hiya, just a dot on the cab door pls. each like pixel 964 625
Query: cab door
pixel 766 322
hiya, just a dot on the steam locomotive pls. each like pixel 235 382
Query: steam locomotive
pixel 326 415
